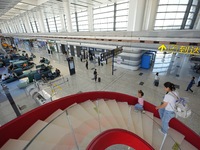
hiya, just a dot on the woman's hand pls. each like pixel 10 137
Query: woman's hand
pixel 157 107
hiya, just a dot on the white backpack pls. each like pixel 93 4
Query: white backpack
pixel 181 108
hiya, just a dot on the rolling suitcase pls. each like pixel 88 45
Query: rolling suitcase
pixel 156 83
pixel 99 79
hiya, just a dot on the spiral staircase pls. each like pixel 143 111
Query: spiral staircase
pixel 76 123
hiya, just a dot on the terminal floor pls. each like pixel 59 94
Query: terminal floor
pixel 175 68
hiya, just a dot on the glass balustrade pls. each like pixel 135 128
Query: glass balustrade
pixel 69 131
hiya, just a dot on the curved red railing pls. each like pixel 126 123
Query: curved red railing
pixel 15 128
pixel 118 136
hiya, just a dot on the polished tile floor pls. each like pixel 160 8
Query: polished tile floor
pixel 175 68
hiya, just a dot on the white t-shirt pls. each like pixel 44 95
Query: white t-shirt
pixel 170 98
pixel 156 77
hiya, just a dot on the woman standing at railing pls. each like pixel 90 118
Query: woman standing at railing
pixel 166 109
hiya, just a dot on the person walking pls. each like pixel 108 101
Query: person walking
pixel 86 64
pixel 156 79
pixel 95 75
pixel 191 84
pixel 166 109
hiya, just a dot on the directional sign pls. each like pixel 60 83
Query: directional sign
pixel 162 47
pixel 111 53
pixel 194 50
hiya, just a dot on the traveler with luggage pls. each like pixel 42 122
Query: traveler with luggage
pixel 156 79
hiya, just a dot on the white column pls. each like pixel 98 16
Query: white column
pixel 139 17
pixel 66 5
pixel 131 14
pixel 90 19
pixel 40 20
pixel 150 14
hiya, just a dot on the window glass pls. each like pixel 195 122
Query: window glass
pixel 170 14
pixel 103 18
pixel 82 17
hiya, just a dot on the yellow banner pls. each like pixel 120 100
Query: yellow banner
pixel 193 50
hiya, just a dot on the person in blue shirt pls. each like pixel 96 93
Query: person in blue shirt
pixel 191 84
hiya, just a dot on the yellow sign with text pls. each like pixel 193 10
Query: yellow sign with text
pixel 193 50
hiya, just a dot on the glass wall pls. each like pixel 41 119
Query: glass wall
pixel 58 23
pixel 22 25
pixel 122 8
pixel 33 23
pixel 171 13
pixel 52 25
pixel 103 18
pixel 73 19
pixel 82 20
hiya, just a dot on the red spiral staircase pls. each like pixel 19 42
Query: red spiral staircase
pixel 15 128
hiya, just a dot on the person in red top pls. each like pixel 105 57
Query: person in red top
pixel 139 105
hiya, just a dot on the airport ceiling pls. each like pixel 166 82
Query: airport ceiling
pixel 14 8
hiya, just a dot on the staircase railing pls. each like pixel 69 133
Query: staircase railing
pixel 118 136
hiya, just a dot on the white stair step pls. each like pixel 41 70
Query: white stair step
pixel 177 136
pixel 137 122
pixel 51 133
pixel 147 125
pixel 105 111
pixel 62 121
pixel 157 136
pixel 13 144
pixel 33 130
pixel 70 140
pixel 88 139
pixel 53 115
pixel 114 108
pixel 103 120
pixel 80 128
pixel 80 113
pixel 185 145
pixel 126 113
pixel 91 108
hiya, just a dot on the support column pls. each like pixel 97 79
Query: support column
pixel 10 99
pixel 150 14
pixel 139 17
pixel 40 20
pixel 131 14
pixel 66 5
pixel 90 19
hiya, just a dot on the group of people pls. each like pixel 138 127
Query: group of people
pixel 50 75
pixel 189 87
pixel 167 107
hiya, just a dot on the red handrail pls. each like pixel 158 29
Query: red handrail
pixel 118 136
pixel 15 128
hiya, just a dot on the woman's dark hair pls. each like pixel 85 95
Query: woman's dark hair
pixel 170 85
pixel 141 92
